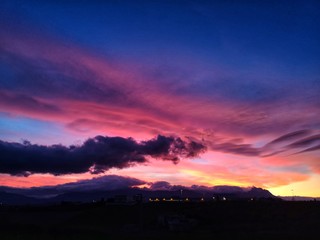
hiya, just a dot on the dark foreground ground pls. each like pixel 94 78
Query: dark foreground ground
pixel 172 220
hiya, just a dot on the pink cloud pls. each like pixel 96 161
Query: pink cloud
pixel 135 98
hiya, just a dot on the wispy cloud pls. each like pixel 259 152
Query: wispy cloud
pixel 53 80
pixel 303 141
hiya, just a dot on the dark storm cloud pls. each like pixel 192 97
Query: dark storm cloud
pixel 172 148
pixel 96 155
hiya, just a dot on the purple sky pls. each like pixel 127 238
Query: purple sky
pixel 239 78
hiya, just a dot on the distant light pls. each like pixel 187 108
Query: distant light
pixel 157 200
pixel 164 199
pixel 202 199
pixel 171 199
pixel 187 199
pixel 224 199
pixel 150 199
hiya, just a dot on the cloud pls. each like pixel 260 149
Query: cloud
pixel 96 155
pixel 315 148
pixel 239 149
pixel 302 139
pixel 305 140
pixel 63 81
pixel 22 102
pixel 290 136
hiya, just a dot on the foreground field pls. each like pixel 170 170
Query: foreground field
pixel 219 220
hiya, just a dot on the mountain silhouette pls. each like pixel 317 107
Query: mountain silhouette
pixel 82 196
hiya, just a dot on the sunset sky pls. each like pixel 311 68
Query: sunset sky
pixel 189 92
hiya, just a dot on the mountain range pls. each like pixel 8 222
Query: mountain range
pixel 111 186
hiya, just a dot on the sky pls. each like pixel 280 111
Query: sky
pixel 188 92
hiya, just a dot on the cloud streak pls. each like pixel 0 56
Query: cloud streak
pixel 304 140
pixel 238 149
pixel 96 155
pixel 290 136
